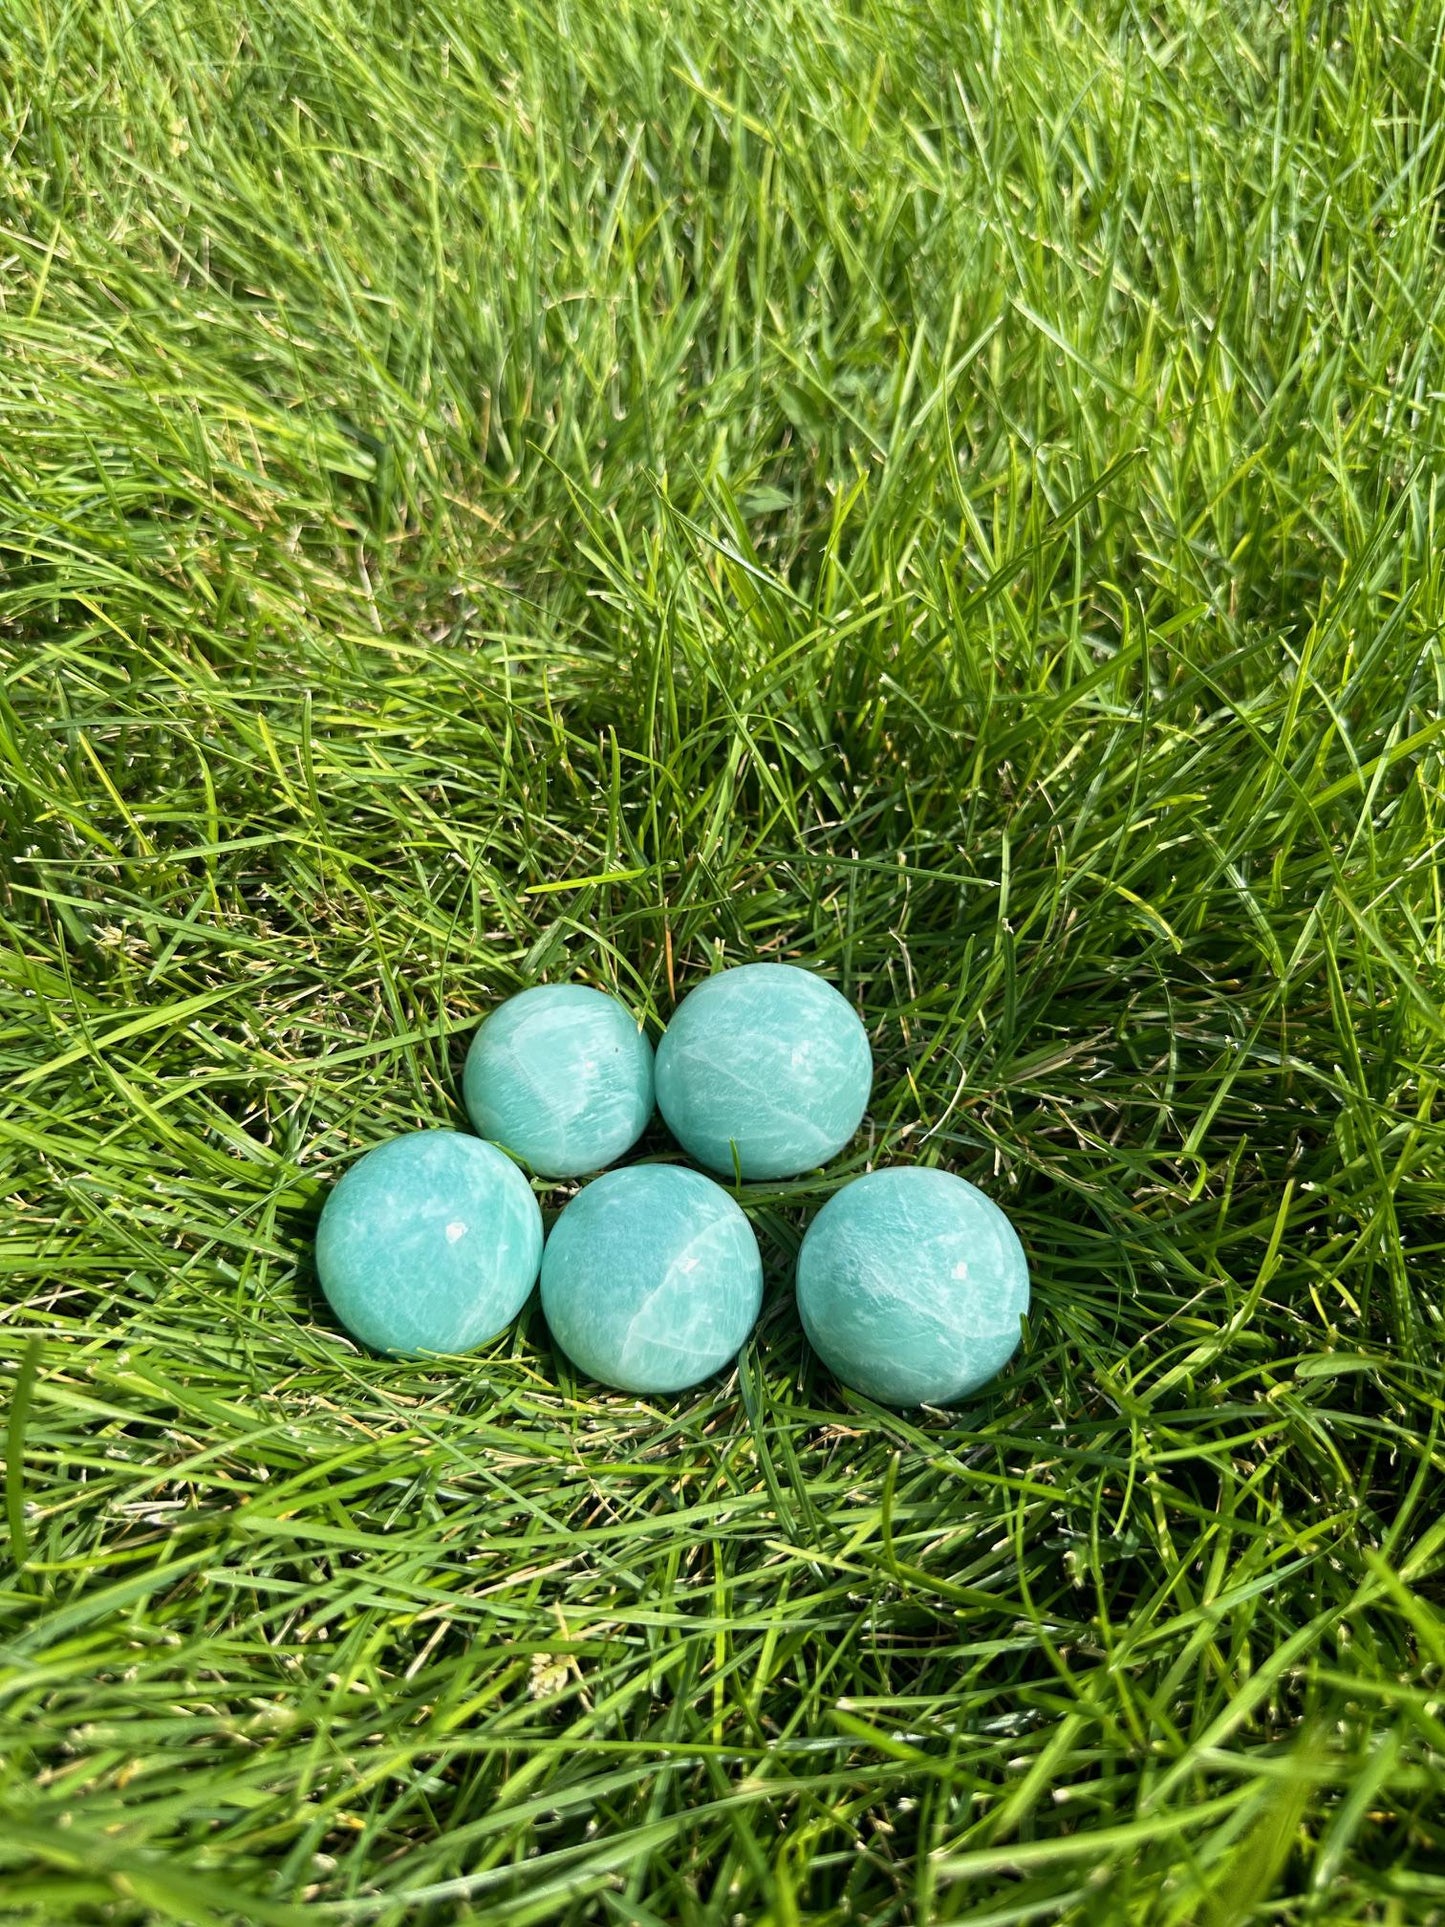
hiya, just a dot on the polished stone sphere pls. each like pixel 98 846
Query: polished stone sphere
pixel 768 1062
pixel 651 1280
pixel 911 1284
pixel 430 1243
pixel 561 1076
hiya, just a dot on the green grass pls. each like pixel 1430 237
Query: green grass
pixel 949 493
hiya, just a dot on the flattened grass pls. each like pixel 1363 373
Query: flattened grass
pixel 945 494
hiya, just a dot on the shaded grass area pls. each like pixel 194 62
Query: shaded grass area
pixel 948 495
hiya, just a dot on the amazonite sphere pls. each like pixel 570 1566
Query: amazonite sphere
pixel 768 1061
pixel 562 1077
pixel 430 1243
pixel 651 1279
pixel 911 1284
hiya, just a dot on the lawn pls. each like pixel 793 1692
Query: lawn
pixel 944 492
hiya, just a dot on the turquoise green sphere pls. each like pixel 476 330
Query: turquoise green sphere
pixel 430 1243
pixel 651 1280
pixel 562 1077
pixel 911 1284
pixel 766 1062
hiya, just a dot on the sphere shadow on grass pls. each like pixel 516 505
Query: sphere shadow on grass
pixel 296 1226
